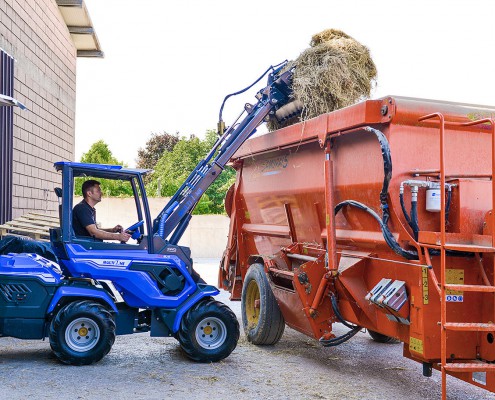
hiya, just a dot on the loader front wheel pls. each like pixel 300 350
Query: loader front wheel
pixel 82 333
pixel 209 331
pixel 262 319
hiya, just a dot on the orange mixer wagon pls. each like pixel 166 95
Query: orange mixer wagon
pixel 379 216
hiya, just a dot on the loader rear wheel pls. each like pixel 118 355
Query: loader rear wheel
pixel 82 333
pixel 262 319
pixel 378 337
pixel 209 331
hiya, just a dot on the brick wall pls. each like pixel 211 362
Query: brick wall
pixel 34 33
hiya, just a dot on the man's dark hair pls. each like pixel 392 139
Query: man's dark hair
pixel 88 185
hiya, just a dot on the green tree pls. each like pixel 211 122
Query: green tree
pixel 99 153
pixel 174 167
pixel 154 149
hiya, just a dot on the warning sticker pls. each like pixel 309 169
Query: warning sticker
pixel 416 345
pixel 454 276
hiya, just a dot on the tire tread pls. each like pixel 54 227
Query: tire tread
pixel 271 324
pixel 82 306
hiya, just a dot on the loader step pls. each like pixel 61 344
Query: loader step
pixel 470 288
pixel 470 326
pixel 470 367
pixel 471 248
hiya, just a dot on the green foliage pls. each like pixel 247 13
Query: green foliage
pixel 174 167
pixel 99 153
pixel 155 147
pixel 178 158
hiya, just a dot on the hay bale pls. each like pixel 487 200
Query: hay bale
pixel 326 36
pixel 335 72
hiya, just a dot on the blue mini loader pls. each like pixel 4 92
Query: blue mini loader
pixel 100 289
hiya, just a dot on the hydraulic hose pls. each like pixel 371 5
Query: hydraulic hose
pixel 271 68
pixel 404 210
pixel 339 340
pixel 345 337
pixel 447 206
pixel 339 316
pixel 383 221
pixel 387 235
pixel 414 219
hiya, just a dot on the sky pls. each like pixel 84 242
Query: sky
pixel 168 64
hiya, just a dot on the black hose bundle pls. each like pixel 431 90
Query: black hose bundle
pixel 383 221
pixel 387 235
pixel 414 219
pixel 404 210
pixel 345 337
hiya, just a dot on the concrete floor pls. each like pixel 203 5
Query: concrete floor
pixel 140 367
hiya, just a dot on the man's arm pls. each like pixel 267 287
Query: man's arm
pixel 103 235
pixel 116 228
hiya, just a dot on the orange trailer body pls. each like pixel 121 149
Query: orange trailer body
pixel 281 208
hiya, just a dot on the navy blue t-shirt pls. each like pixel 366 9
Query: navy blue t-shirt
pixel 83 215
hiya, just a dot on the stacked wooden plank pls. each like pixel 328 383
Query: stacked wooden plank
pixel 33 224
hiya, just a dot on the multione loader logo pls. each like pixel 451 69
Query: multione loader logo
pixel 108 263
pixel 116 263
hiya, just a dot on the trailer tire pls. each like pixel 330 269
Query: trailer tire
pixel 378 337
pixel 262 319
pixel 82 333
pixel 209 331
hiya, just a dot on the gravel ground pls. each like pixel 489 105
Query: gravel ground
pixel 140 367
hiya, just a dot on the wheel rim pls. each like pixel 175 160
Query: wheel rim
pixel 82 334
pixel 211 333
pixel 252 304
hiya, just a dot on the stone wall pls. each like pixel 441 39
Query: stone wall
pixel 35 34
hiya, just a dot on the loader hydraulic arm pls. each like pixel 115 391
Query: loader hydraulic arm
pixel 272 101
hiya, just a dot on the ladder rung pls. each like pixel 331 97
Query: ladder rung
pixel 470 326
pixel 469 367
pixel 472 248
pixel 470 288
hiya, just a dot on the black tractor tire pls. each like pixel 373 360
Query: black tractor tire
pixel 378 337
pixel 82 333
pixel 209 331
pixel 262 319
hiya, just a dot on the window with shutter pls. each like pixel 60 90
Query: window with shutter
pixel 6 137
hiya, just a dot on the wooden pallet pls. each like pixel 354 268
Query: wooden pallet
pixel 33 224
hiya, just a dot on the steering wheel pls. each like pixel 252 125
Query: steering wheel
pixel 134 231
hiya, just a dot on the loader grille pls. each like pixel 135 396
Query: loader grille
pixel 13 292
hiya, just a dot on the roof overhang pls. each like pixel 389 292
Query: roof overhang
pixel 76 17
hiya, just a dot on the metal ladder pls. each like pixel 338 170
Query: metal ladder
pixel 442 286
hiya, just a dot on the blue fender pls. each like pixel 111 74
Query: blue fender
pixel 71 291
pixel 203 291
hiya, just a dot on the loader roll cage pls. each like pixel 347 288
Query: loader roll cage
pixel 72 170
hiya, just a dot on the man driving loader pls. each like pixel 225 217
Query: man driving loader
pixel 84 216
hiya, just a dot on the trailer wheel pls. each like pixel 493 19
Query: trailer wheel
pixel 378 337
pixel 82 333
pixel 262 319
pixel 209 331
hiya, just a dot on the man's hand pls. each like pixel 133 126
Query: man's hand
pixel 117 229
pixel 123 236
